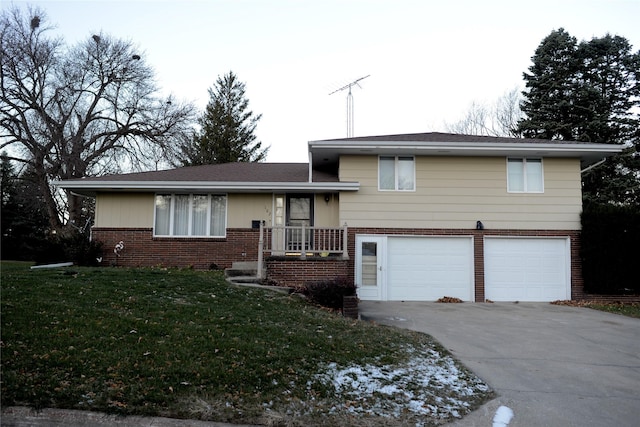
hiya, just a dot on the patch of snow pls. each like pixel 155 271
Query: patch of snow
pixel 427 384
pixel 503 417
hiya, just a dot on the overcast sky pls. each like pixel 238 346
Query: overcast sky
pixel 427 60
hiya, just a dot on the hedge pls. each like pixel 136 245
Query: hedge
pixel 610 244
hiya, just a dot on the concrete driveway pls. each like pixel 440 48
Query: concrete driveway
pixel 552 365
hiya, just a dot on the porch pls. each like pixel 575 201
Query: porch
pixel 284 244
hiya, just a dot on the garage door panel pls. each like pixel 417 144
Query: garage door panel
pixel 526 269
pixel 428 268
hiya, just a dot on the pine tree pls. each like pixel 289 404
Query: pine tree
pixel 227 128
pixel 588 91
pixel 551 85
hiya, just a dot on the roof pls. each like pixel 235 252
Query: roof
pixel 227 177
pixel 295 177
pixel 451 138
pixel 228 172
pixel 325 153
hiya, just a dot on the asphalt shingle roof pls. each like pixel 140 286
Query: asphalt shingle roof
pixel 228 172
pixel 451 137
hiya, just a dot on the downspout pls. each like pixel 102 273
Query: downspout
pixel 310 167
pixel 595 165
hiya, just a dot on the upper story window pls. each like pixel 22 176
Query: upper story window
pixel 396 173
pixel 525 176
pixel 190 215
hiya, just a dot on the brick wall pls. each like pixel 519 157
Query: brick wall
pixel 295 272
pixel 141 249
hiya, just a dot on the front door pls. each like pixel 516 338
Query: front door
pixel 299 213
pixel 369 267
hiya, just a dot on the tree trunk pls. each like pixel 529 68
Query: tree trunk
pixel 75 209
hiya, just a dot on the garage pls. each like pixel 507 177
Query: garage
pixel 420 268
pixel 527 269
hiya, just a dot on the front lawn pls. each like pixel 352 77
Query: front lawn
pixel 186 344
pixel 630 309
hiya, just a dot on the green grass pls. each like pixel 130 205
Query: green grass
pixel 186 344
pixel 625 309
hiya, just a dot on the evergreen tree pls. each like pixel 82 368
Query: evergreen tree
pixel 227 128
pixel 551 85
pixel 25 223
pixel 588 91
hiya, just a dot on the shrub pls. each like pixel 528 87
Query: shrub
pixel 610 249
pixel 329 293
pixel 75 247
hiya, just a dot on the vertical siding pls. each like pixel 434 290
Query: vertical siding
pixel 455 192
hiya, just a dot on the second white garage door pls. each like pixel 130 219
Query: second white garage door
pixel 429 268
pixel 527 269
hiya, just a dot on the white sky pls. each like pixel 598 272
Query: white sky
pixel 428 60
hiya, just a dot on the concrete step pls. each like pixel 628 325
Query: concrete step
pixel 235 272
pixel 244 279
pixel 245 265
pixel 242 268
pixel 281 289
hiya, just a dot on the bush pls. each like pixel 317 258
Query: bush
pixel 329 293
pixel 610 250
pixel 75 247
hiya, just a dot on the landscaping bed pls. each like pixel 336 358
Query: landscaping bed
pixel 187 344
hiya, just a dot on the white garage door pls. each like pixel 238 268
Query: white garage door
pixel 429 268
pixel 527 269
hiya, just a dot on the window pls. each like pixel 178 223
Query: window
pixel 195 215
pixel 396 173
pixel 525 176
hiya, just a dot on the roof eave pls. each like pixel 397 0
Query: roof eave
pixel 587 153
pixel 91 188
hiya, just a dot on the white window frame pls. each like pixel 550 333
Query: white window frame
pixel 395 171
pixel 525 175
pixel 190 216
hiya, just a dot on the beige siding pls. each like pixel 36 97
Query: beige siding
pixel 455 192
pixel 244 208
pixel 134 210
pixel 326 213
pixel 129 210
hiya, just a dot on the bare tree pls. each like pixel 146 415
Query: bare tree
pixel 81 111
pixel 476 121
pixel 498 119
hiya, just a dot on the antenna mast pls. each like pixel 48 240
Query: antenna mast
pixel 350 103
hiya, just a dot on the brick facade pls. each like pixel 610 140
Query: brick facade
pixel 142 249
pixel 295 272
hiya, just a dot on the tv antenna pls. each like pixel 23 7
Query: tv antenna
pixel 350 103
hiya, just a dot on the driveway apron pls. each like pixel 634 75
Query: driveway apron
pixel 552 365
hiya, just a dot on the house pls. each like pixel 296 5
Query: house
pixel 407 217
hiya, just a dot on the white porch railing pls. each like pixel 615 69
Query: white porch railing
pixel 301 241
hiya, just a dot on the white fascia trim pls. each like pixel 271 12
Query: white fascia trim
pixel 479 147
pixel 230 187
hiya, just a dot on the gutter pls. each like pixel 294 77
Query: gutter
pixel 85 187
